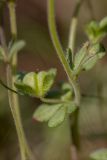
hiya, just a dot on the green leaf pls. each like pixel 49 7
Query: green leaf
pixel 96 52
pixel 45 112
pixel 24 83
pixel 103 24
pixel 45 81
pixel 92 31
pixel 67 96
pixel 67 91
pixel 97 31
pixel 79 57
pixel 37 84
pixel 58 117
pixel 88 57
pixel 66 87
pixel 30 80
pixel 16 47
pixel 69 58
pixel 99 155
pixel 26 90
pixel 71 107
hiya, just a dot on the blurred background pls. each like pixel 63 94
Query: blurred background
pixel 39 54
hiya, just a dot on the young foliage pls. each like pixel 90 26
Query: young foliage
pixel 69 57
pixel 45 112
pixel 54 114
pixel 12 49
pixel 64 92
pixel 88 56
pixel 97 31
pixel 99 155
pixel 57 118
pixel 15 48
pixel 36 84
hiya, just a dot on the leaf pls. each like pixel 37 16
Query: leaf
pixel 96 52
pixel 97 31
pixel 71 107
pixel 45 81
pixel 45 112
pixel 24 89
pixel 66 87
pixel 92 30
pixel 58 117
pixel 67 96
pixel 99 155
pixel 103 24
pixel 16 47
pixel 80 56
pixel 86 59
pixel 69 58
pixel 25 83
pixel 36 83
pixel 30 80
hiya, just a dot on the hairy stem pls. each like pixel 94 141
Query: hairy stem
pixel 13 98
pixel 60 52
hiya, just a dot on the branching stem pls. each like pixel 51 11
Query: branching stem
pixel 60 52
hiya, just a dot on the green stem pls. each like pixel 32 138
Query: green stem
pixel 52 101
pixel 13 98
pixel 60 53
pixel 14 106
pixel 72 37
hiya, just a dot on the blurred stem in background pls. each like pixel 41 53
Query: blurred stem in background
pixel 73 27
pixel 11 72
pixel 90 6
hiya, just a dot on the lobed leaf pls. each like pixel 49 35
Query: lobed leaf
pixel 57 118
pixel 87 58
pixel 79 57
pixel 54 113
pixel 45 112
pixel 26 90
pixel 37 84
pixel 71 107
pixel 96 52
pixel 45 81
pixel 97 31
